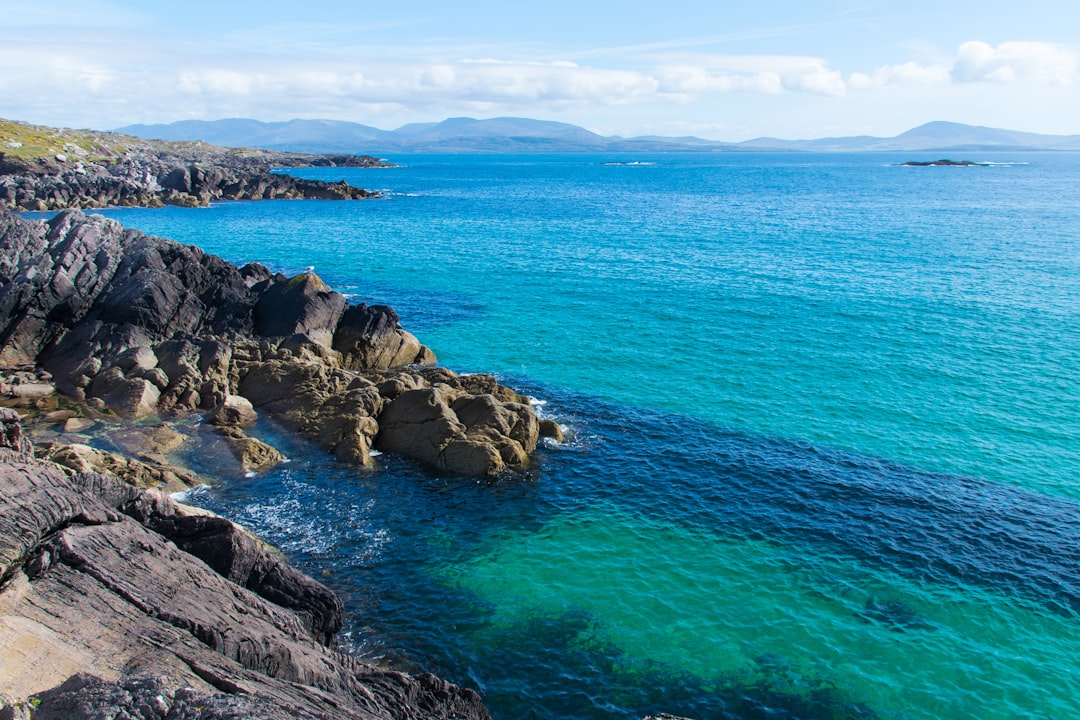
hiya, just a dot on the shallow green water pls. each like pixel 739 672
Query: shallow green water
pixel 719 609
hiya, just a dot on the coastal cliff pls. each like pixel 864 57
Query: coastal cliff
pixel 45 168
pixel 116 597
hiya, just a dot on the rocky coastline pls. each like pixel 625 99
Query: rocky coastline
pixel 118 602
pixel 134 326
pixel 55 169
pixel 156 606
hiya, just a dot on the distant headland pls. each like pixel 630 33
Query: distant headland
pixel 44 168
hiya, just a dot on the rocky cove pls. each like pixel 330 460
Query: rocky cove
pixel 166 609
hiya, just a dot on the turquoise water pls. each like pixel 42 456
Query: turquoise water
pixel 826 458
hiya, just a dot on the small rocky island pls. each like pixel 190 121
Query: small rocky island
pixel 44 168
pixel 114 596
pixel 942 163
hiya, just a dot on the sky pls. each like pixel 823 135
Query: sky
pixel 719 70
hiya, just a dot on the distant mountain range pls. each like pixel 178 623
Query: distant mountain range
pixel 516 135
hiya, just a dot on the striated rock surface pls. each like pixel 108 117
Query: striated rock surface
pixel 143 326
pixel 116 597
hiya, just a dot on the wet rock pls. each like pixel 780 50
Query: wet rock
pixel 149 440
pixel 457 432
pixel 140 473
pixel 32 390
pixel 253 455
pixel 234 411
pixel 551 429
pixel 57 416
pixel 335 408
pixel 77 425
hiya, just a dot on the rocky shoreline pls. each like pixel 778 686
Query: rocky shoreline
pixel 166 608
pixel 118 602
pixel 55 169
pixel 137 326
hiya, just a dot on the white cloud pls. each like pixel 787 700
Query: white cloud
pixel 1038 62
pixel 112 77
pixel 816 79
pixel 909 73
pixel 976 61
pixel 759 74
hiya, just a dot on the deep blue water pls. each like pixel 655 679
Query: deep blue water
pixel 826 454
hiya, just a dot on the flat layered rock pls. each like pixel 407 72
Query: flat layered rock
pixel 109 592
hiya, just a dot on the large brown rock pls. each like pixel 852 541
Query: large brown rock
pixel 371 338
pixel 234 411
pixel 457 432
pixel 110 591
pixel 335 408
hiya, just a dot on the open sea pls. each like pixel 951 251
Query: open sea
pixel 825 420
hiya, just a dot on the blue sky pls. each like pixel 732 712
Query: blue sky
pixel 727 71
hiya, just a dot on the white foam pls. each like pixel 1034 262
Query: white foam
pixel 184 496
pixel 374 453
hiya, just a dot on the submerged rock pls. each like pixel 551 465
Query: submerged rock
pixel 894 614
pixel 552 429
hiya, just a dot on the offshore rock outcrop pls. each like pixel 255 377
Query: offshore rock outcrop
pixel 116 597
pixel 97 169
pixel 140 325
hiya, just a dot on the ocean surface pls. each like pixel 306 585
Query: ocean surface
pixel 825 421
